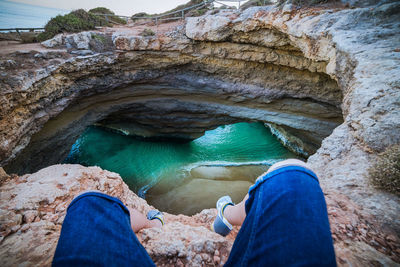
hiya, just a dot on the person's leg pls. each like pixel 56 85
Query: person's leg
pixel 236 214
pixel 284 163
pixel 139 221
pixel 97 232
pixel 286 222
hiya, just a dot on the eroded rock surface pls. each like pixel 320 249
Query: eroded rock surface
pixel 166 86
pixel 33 207
pixel 312 75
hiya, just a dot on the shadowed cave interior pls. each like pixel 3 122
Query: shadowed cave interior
pixel 207 136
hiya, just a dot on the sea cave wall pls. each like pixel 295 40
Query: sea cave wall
pixel 174 87
pixel 324 80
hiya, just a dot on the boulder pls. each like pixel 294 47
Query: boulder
pixel 56 41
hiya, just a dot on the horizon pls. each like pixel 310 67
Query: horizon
pixel 119 7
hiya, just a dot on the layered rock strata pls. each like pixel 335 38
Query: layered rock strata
pixel 303 72
pixel 174 89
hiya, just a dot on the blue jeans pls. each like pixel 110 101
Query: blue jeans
pixel 97 232
pixel 286 225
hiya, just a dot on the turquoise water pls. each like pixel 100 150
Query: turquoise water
pixel 142 164
pixel 19 15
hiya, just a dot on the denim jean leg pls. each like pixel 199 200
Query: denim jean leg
pixel 97 232
pixel 286 223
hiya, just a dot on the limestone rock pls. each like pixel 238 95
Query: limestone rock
pixel 287 8
pixel 191 245
pixel 57 40
pixel 79 40
pixel 82 52
pixel 85 41
pixel 333 72
pixel 209 27
pixel 33 208
pixel 3 175
pixel 32 211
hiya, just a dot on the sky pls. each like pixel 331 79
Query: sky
pixel 120 7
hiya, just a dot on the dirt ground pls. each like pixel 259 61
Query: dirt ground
pixel 7 47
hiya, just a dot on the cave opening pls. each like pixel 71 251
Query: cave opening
pixel 171 109
pixel 170 173
pixel 176 159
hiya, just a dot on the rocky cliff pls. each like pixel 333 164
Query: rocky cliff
pixel 325 81
pixel 33 207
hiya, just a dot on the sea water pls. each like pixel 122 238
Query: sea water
pixel 225 160
pixel 20 15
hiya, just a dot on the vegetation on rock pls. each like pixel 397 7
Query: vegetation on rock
pixel 112 19
pixel 140 15
pixel 197 12
pixel 385 174
pixel 101 43
pixel 147 32
pixel 75 21
pixel 101 10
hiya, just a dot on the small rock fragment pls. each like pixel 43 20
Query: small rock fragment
pixel 29 216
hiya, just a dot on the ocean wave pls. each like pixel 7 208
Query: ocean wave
pixel 187 168
pixel 268 162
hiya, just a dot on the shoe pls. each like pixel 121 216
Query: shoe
pixel 155 215
pixel 221 225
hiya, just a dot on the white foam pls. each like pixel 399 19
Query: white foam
pixel 187 168
pixel 268 162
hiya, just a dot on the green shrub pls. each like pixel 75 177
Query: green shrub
pixel 99 38
pixel 101 10
pixel 147 32
pixel 101 43
pixel 117 20
pixel 112 19
pixel 29 37
pixel 75 21
pixel 140 15
pixel 197 12
pixel 385 174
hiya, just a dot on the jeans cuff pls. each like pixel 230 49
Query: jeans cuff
pixel 280 170
pixel 101 195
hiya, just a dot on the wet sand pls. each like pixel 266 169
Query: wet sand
pixel 198 194
pixel 203 187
